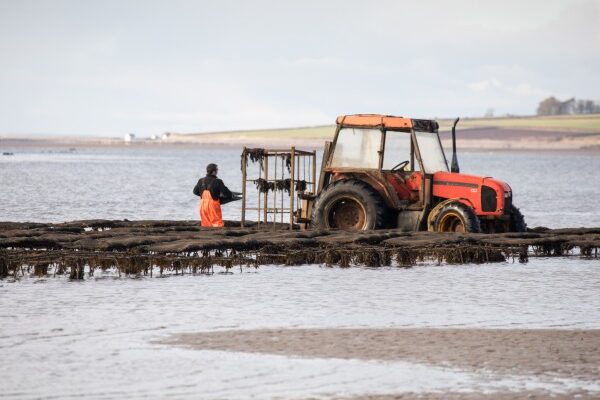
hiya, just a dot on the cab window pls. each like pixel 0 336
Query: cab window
pixel 431 151
pixel 357 148
pixel 397 150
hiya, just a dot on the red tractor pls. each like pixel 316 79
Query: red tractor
pixel 391 172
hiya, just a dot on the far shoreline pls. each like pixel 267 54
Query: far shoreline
pixel 588 144
pixel 579 132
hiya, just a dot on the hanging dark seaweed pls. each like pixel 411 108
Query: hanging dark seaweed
pixel 264 186
pixel 300 186
pixel 288 162
pixel 256 155
pixel 283 185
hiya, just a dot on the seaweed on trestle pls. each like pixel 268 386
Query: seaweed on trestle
pixel 283 185
pixel 263 185
pixel 288 162
pixel 180 247
pixel 256 155
pixel 300 186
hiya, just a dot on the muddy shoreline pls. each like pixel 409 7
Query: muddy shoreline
pixel 472 139
pixel 547 354
pixel 553 352
pixel 581 395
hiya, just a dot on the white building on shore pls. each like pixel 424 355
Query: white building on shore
pixel 129 137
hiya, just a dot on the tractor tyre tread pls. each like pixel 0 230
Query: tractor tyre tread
pixel 471 221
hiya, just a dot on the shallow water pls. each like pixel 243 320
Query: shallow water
pixel 100 338
pixel 554 189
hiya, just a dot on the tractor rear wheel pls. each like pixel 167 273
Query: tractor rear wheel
pixel 350 205
pixel 456 217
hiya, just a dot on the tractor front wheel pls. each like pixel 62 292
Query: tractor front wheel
pixel 517 221
pixel 456 217
pixel 349 205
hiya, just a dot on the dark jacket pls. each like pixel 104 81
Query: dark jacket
pixel 218 190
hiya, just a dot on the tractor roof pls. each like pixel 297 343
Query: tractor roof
pixel 387 121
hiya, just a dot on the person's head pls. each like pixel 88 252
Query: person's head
pixel 211 169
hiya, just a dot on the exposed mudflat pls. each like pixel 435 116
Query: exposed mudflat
pixel 582 395
pixel 561 353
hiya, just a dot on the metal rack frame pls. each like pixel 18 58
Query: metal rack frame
pixel 275 157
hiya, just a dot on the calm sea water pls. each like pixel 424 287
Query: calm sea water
pixel 98 338
pixel 554 189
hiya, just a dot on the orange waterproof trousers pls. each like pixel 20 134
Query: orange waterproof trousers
pixel 210 211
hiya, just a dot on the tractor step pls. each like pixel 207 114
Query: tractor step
pixel 307 196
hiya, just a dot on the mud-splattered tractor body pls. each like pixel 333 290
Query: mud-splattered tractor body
pixel 391 172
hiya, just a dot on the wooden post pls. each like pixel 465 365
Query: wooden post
pixel 266 194
pixel 314 172
pixel 244 162
pixel 282 177
pixel 292 187
pixel 326 150
pixel 258 197
pixel 275 191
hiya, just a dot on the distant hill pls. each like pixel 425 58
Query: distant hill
pixel 570 132
pixel 551 132
pixel 567 123
pixel 589 123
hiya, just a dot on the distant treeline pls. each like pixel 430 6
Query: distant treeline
pixel 553 106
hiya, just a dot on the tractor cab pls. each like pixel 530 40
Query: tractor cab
pixel 387 151
pixel 380 142
pixel 385 171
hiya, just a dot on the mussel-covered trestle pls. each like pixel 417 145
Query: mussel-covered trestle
pixel 156 247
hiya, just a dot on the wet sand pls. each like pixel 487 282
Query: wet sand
pixel 540 352
pixel 478 396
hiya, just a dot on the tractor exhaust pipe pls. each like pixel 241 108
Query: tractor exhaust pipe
pixel 454 166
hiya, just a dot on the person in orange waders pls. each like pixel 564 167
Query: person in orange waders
pixel 212 191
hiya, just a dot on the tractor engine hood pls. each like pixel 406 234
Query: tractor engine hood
pixel 486 195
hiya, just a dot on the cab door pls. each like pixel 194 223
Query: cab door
pixel 400 168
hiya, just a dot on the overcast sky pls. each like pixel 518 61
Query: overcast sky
pixel 111 67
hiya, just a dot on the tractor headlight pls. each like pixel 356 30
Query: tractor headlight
pixel 508 202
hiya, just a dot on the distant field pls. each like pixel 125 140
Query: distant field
pixel 576 123
pixel 580 123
